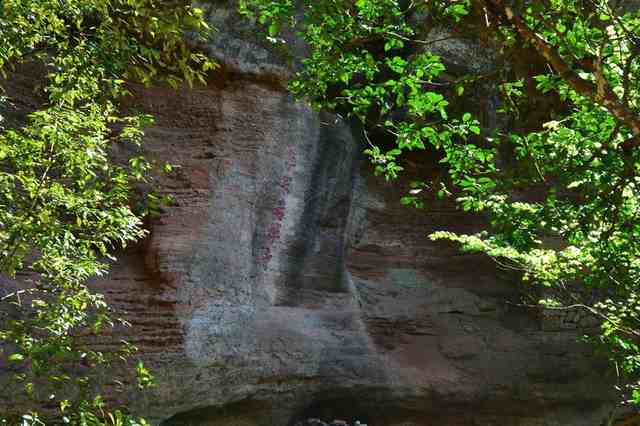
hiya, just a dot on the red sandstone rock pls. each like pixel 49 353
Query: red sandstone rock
pixel 287 282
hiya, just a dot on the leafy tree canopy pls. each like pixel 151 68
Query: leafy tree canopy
pixel 561 195
pixel 65 204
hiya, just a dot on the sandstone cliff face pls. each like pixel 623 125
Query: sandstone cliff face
pixel 287 282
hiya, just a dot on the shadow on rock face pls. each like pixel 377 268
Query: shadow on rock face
pixel 335 409
pixel 336 422
pixel 246 412
pixel 375 407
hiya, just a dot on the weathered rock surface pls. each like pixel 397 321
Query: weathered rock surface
pixel 287 282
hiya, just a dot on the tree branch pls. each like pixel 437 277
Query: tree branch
pixel 600 93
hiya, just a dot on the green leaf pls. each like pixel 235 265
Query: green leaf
pixel 274 29
pixel 16 357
